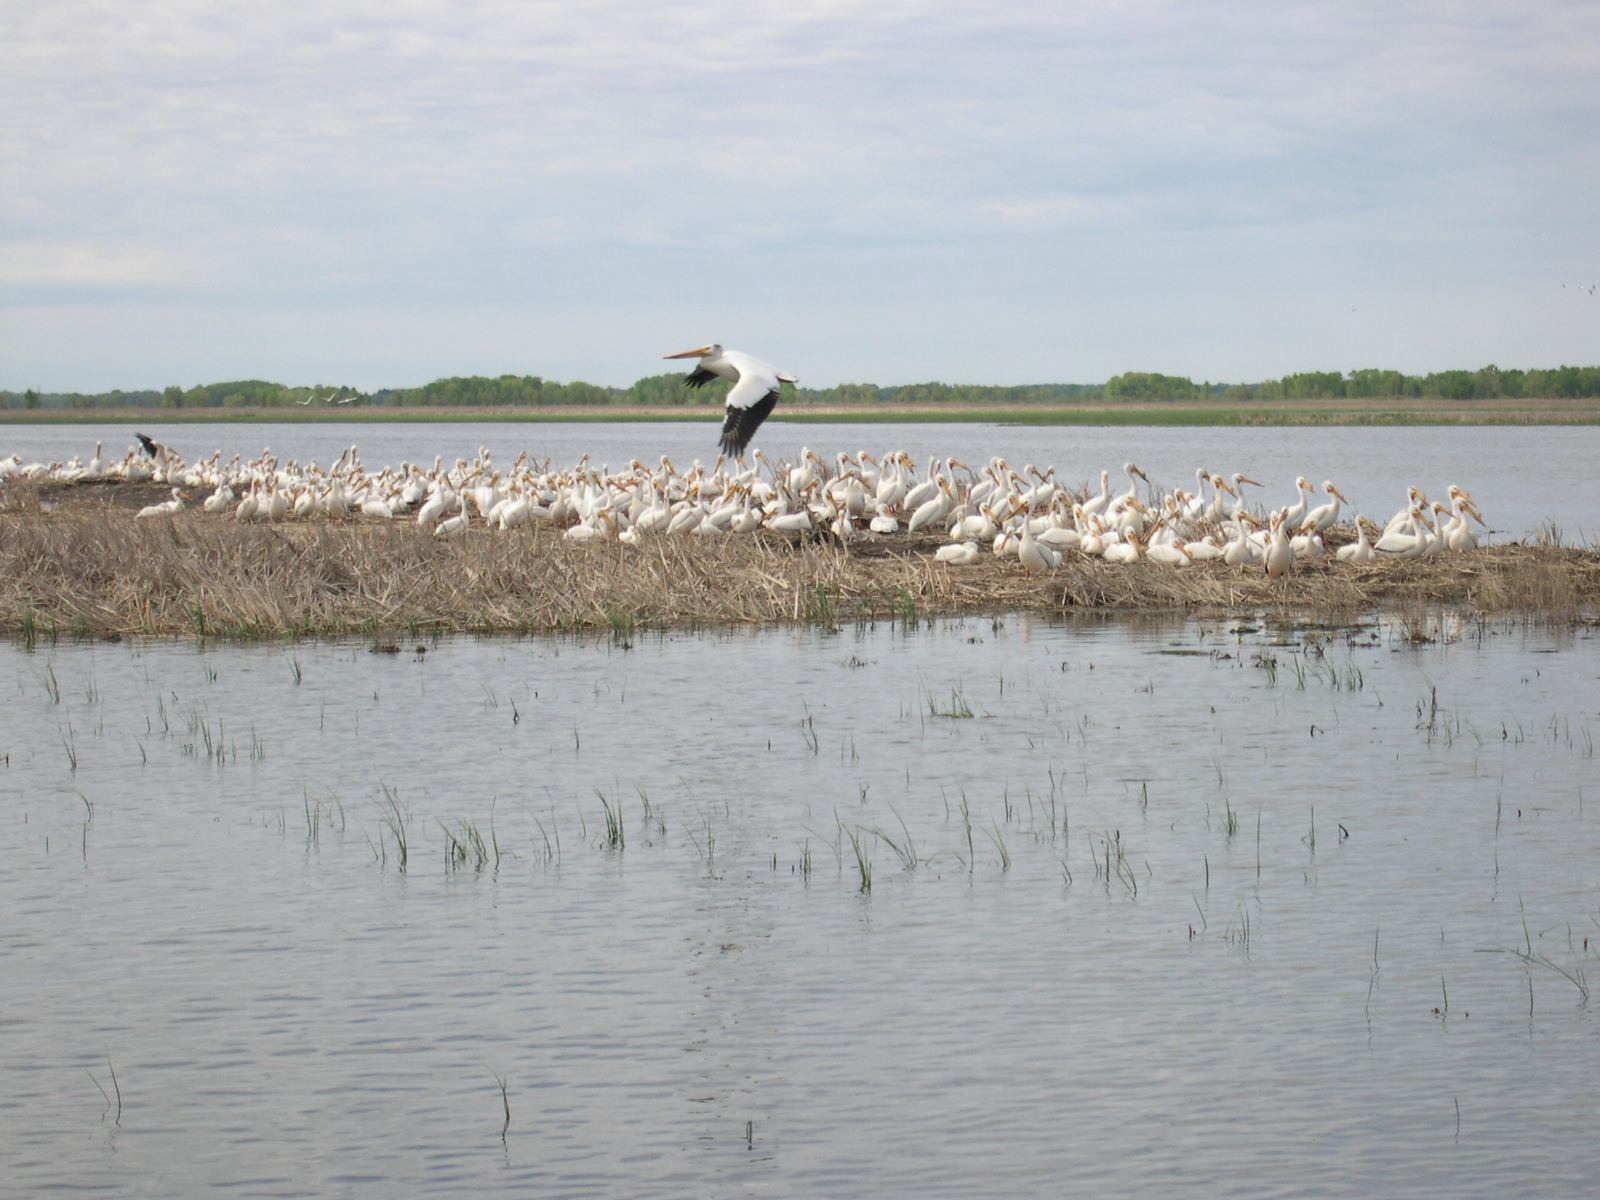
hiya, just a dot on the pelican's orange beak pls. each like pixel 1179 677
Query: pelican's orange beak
pixel 700 353
pixel 1339 494
pixel 1247 479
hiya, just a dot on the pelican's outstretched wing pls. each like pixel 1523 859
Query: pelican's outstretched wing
pixel 740 425
pixel 749 402
pixel 756 389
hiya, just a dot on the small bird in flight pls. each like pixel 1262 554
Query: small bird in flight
pixel 756 388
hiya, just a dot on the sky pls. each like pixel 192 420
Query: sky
pixel 383 192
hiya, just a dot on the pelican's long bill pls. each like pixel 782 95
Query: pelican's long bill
pixel 700 353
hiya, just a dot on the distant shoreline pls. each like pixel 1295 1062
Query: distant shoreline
pixel 1292 413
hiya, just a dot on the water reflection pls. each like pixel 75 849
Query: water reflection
pixel 1151 905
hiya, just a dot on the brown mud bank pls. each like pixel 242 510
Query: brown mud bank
pixel 91 569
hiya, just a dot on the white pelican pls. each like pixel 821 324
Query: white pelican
pixel 250 505
pixel 1168 552
pixel 1219 487
pixel 884 522
pixel 1407 515
pixel 1132 494
pixel 745 520
pixel 1280 554
pixel 981 526
pixel 1125 552
pixel 433 509
pixel 756 389
pixel 1034 556
pixel 958 554
pixel 1240 550
pixel 799 522
pixel 1458 534
pixel 1308 545
pixel 166 508
pixel 456 525
pixel 892 488
pixel 1059 538
pixel 1319 519
pixel 601 526
pixel 1239 480
pixel 926 490
pixel 1096 505
pixel 1409 538
pixel 1296 512
pixel 1360 550
pixel 933 509
pixel 1196 508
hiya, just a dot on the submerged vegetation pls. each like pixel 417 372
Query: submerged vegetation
pixel 1314 836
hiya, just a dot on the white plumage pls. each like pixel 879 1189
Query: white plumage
pixel 755 392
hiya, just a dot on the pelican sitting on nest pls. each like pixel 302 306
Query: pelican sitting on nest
pixel 165 509
pixel 755 392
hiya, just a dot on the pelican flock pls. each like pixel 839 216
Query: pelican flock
pixel 1024 514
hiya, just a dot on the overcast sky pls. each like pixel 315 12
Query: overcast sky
pixel 381 192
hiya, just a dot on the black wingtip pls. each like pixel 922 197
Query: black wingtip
pixel 741 424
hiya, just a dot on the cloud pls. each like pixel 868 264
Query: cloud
pixel 55 266
pixel 359 152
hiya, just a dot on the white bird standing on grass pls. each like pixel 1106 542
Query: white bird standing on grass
pixel 1280 553
pixel 755 392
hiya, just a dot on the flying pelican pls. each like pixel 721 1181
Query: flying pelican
pixel 756 388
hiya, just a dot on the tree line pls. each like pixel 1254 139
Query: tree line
pixel 670 391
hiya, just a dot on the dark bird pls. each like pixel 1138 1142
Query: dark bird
pixel 755 392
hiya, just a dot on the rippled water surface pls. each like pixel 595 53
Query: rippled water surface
pixel 1215 909
pixel 1521 476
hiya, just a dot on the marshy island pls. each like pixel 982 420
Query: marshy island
pixel 149 544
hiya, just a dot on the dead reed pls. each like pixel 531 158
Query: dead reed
pixel 90 569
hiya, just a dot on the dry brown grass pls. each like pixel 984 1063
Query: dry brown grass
pixel 90 569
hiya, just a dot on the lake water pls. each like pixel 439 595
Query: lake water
pixel 1521 476
pixel 1219 909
